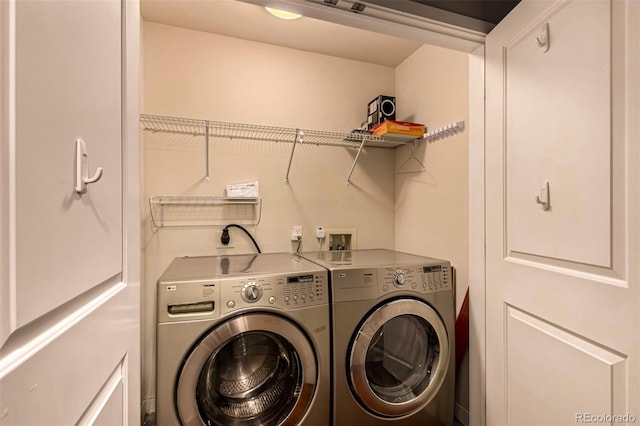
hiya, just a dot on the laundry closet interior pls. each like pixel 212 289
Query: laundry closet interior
pixel 411 197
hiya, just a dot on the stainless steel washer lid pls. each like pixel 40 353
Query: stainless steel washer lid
pixel 209 267
pixel 369 258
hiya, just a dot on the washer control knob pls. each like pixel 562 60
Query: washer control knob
pixel 272 300
pixel 287 298
pixel 251 292
pixel 231 304
pixel 399 278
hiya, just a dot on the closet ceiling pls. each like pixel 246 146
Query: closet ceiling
pixel 248 21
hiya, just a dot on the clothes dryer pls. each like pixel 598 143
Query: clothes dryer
pixel 243 340
pixel 393 323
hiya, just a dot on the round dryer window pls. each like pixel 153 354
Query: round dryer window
pixel 255 369
pixel 398 358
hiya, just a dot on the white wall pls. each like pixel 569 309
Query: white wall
pixel 432 209
pixel 199 75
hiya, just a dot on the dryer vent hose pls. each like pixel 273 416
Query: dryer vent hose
pixel 225 237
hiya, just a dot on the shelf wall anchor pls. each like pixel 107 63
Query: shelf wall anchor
pixel 82 168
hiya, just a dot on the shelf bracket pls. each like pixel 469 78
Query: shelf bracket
pixel 298 139
pixel 355 160
pixel 206 150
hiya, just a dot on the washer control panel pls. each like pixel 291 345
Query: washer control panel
pixel 281 291
pixel 422 279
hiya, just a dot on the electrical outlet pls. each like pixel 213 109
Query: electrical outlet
pixel 296 233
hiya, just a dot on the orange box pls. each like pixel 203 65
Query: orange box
pixel 392 127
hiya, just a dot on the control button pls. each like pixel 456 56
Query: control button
pixel 295 297
pixel 385 288
pixel 311 295
pixel 303 297
pixel 231 304
pixel 251 292
pixel 272 300
pixel 399 279
pixel 414 285
pixel 287 298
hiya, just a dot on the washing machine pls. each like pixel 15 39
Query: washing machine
pixel 243 340
pixel 393 323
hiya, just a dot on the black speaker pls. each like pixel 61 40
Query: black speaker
pixel 381 108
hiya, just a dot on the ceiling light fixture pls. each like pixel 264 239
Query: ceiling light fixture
pixel 282 14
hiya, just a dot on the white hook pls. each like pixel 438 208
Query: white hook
pixel 543 39
pixel 543 198
pixel 82 168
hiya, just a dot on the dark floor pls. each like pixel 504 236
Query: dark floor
pixel 150 420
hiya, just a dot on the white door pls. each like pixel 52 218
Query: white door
pixel 563 214
pixel 69 299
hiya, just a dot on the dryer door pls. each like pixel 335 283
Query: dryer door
pixel 254 369
pixel 398 358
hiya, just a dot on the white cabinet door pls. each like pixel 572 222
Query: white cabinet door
pixel 562 280
pixel 70 315
pixel 68 86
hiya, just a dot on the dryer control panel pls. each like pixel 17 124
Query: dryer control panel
pixel 286 292
pixel 422 279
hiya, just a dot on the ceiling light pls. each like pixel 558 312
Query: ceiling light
pixel 282 14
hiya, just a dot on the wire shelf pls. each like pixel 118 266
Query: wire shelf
pixel 188 126
pixel 357 139
pixel 177 210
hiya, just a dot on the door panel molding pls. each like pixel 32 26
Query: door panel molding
pixel 62 378
pixel 8 316
pixel 588 272
pixel 29 340
pixel 622 146
pixel 110 401
pixel 575 369
pixel 69 86
pixel 543 146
